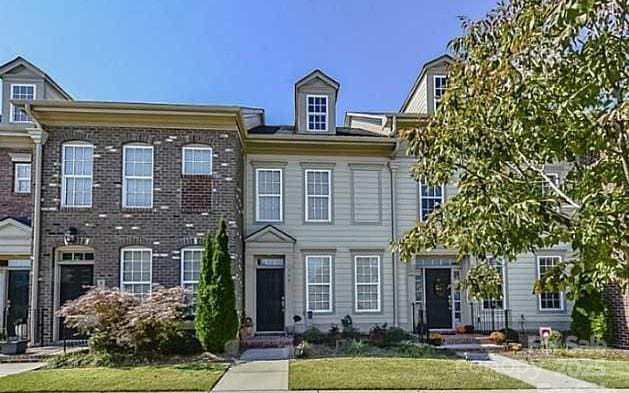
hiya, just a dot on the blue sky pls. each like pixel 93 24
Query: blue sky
pixel 231 51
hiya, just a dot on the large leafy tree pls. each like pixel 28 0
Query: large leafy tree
pixel 536 83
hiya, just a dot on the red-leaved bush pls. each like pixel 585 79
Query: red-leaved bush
pixel 120 322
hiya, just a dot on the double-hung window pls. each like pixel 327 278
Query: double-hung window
pixel 21 92
pixel 135 270
pixel 197 160
pixel 269 195
pixel 367 283
pixel 545 188
pixel 76 173
pixel 190 269
pixel 137 187
pixel 318 195
pixel 317 113
pixel 319 283
pixel 22 178
pixel 430 197
pixel 549 301
pixel 439 89
pixel 498 265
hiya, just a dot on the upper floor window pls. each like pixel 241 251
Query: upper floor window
pixel 137 182
pixel 545 187
pixel 318 195
pixel 549 301
pixel 367 283
pixel 269 195
pixel 197 160
pixel 135 270
pixel 429 199
pixel 439 89
pixel 77 169
pixel 22 178
pixel 190 269
pixel 21 92
pixel 317 113
pixel 319 283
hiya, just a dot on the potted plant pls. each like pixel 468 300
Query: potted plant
pixel 436 339
pixel 246 328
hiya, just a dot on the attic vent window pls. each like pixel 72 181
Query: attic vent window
pixel 317 112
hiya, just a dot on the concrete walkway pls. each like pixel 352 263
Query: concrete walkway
pixel 16 368
pixel 533 375
pixel 259 376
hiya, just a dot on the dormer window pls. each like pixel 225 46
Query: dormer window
pixel 21 92
pixel 317 113
pixel 440 88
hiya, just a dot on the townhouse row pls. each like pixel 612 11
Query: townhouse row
pixel 122 195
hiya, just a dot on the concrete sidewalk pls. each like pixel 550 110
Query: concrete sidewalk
pixel 16 368
pixel 533 375
pixel 257 376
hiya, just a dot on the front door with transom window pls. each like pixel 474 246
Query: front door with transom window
pixel 75 281
pixel 438 299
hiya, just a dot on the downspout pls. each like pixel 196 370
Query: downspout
pixel 392 173
pixel 38 135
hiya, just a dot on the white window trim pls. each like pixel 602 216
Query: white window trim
pixel 434 91
pixel 329 172
pixel 124 176
pixel 539 275
pixel 504 285
pixel 552 176
pixel 16 184
pixel 327 112
pixel 201 148
pixel 64 175
pixel 183 251
pixel 421 198
pixel 12 107
pixel 329 258
pixel 149 282
pixel 356 284
pixel 281 194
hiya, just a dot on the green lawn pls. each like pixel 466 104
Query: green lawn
pixel 103 379
pixel 395 373
pixel 607 373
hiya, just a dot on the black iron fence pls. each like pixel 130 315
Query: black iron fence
pixel 14 324
pixel 487 318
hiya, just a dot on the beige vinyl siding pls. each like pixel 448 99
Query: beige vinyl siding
pixel 342 237
pixel 418 102
pixel 366 195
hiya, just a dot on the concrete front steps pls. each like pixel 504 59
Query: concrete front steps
pixel 470 343
pixel 268 347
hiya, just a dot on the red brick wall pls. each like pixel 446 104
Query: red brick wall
pixel 12 203
pixel 620 304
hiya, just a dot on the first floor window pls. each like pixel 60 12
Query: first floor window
pixel 137 177
pixel 367 283
pixel 318 195
pixel 190 269
pixel 136 265
pixel 319 283
pixel 21 92
pixel 549 300
pixel 23 178
pixel 76 171
pixel 269 195
pixel 498 265
pixel 197 160
pixel 429 199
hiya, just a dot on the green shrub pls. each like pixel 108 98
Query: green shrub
pixel 511 335
pixel 313 335
pixel 356 348
pixel 303 350
pixel 409 349
pixel 183 342
pixel 592 318
pixel 216 322
pixel 395 335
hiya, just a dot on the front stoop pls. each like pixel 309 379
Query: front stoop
pixel 268 341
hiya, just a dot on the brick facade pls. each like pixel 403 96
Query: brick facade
pixel 620 304
pixel 11 203
pixel 184 208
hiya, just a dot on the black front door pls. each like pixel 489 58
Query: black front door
pixel 270 300
pixel 438 308
pixel 17 304
pixel 75 281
